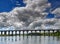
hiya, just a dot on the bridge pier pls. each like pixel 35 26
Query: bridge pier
pixel 31 31
pixel 8 32
pixel 19 32
pixel 40 31
pixel 49 32
pixel 35 31
pixel 27 32
pixel 12 33
pixel 44 32
pixel 15 32
pixel 53 32
pixel 5 32
pixel 23 33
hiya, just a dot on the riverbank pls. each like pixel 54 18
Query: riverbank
pixel 45 34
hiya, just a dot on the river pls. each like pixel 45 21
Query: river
pixel 29 40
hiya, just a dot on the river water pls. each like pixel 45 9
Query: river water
pixel 29 40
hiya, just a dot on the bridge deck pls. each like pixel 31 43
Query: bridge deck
pixel 34 30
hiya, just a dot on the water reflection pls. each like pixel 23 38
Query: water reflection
pixel 29 39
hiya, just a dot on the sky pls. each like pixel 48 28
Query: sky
pixel 54 4
pixel 8 5
pixel 30 14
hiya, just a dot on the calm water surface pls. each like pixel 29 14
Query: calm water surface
pixel 29 40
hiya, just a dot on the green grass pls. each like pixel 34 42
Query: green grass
pixel 35 34
pixel 45 34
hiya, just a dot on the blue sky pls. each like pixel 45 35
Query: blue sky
pixel 8 5
pixel 54 4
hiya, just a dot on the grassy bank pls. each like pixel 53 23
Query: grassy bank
pixel 45 34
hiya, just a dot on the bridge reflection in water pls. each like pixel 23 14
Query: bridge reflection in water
pixel 29 40
pixel 9 38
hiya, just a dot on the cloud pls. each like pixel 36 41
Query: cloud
pixel 43 23
pixel 56 12
pixel 32 16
